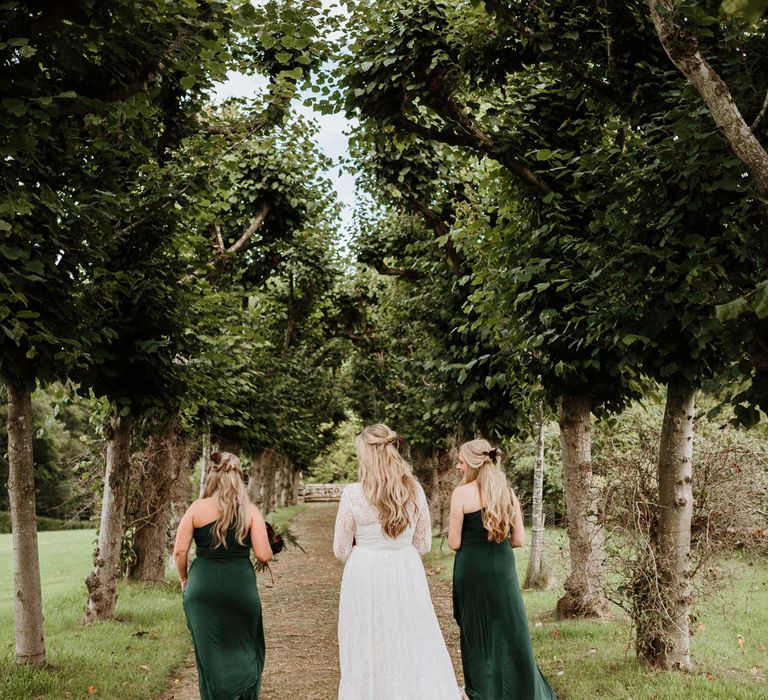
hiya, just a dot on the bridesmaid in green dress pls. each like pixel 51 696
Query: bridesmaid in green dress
pixel 485 524
pixel 219 594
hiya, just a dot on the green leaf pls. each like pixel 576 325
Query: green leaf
pixel 731 310
pixel 760 305
pixel 11 253
pixel 295 73
pixel 750 10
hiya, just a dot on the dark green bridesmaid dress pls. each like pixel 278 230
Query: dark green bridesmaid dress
pixel 496 652
pixel 223 612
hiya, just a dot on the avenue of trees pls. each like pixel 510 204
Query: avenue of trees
pixel 562 213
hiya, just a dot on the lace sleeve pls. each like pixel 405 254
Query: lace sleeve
pixel 422 537
pixel 344 532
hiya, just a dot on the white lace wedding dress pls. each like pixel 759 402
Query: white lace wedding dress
pixel 390 643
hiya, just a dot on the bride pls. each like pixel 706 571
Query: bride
pixel 390 644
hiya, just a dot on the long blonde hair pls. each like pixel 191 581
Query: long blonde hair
pixel 484 464
pixel 225 481
pixel 387 481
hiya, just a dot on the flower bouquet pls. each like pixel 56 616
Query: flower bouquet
pixel 278 538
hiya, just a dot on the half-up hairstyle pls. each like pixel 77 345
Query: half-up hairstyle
pixel 386 477
pixel 225 482
pixel 484 464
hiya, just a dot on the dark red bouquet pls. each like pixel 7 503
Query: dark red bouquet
pixel 276 541
pixel 278 538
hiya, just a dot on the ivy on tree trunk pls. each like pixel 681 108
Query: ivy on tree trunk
pixel 102 581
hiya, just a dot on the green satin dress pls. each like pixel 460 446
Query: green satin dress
pixel 496 652
pixel 223 612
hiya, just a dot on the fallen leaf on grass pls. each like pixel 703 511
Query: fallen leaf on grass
pixel 701 627
pixel 145 668
pixel 710 676
pixel 740 641
pixel 91 690
pixel 554 633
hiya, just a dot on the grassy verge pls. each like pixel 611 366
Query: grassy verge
pixel 586 660
pixel 131 658
pixel 282 517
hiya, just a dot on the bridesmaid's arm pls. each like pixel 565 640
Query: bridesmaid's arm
pixel 259 538
pixel 517 538
pixel 182 545
pixel 455 520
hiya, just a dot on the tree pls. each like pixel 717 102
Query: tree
pixel 500 89
pixel 419 72
pixel 684 50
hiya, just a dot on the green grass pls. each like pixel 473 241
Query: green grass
pixel 282 517
pixel 131 658
pixel 586 660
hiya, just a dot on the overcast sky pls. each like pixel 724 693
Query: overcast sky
pixel 330 136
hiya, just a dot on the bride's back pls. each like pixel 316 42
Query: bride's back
pixel 368 529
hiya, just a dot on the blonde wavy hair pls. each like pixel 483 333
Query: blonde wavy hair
pixel 386 477
pixel 484 464
pixel 226 483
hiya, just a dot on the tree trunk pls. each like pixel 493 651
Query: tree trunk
pixel 204 464
pixel 682 47
pixel 183 464
pixel 102 581
pixel 445 482
pixel 537 576
pixel 283 471
pixel 666 643
pixel 584 595
pixel 264 480
pixel 256 480
pixel 27 598
pixel 154 498
pixel 268 492
pixel 295 486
